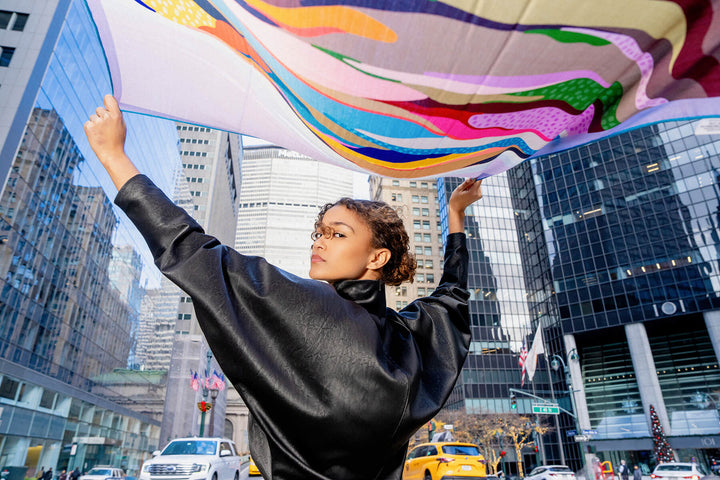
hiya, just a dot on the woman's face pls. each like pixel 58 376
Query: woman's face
pixel 342 249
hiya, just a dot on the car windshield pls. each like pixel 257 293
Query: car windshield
pixel 674 468
pixel 100 471
pixel 190 447
pixel 561 469
pixel 460 450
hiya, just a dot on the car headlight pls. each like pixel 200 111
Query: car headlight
pixel 146 467
pixel 199 467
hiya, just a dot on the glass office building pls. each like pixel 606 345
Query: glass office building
pixel 67 317
pixel 502 318
pixel 622 249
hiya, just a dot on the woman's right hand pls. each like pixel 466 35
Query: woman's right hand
pixel 462 197
pixel 106 133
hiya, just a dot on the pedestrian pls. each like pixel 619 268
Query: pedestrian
pixel 63 475
pixel 624 470
pixel 637 473
pixel 325 368
pixel 75 474
pixel 41 473
pixel 48 474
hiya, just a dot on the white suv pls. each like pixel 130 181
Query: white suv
pixel 194 459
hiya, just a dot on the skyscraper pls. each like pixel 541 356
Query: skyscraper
pixel 282 193
pixel 210 167
pixel 630 224
pixel 67 324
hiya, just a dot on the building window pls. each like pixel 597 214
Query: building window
pixel 426 238
pixel 431 278
pixel 415 199
pixel 428 264
pixel 413 184
pixel 424 199
pixel 425 212
pixel 416 224
pixel 426 225
pixel 397 197
pixel 418 237
pixel 420 277
pixel 420 264
pixel 424 185
pixel 428 251
pixel 396 183
pixel 416 212
pixel 6 55
pixel 5 17
pixel 421 291
pixel 8 388
pixel 20 21
pixel 418 250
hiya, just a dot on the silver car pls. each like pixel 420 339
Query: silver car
pixel 101 472
pixel 551 472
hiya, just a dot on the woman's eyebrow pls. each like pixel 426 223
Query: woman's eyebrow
pixel 343 223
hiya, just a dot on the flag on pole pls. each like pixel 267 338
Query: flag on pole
pixel 521 362
pixel 536 349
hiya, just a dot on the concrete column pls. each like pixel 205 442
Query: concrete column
pixel 578 386
pixel 712 322
pixel 646 375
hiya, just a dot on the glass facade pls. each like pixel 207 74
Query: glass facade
pixel 633 225
pixel 502 316
pixel 72 271
pixel 625 234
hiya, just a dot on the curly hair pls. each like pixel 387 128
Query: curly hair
pixel 388 231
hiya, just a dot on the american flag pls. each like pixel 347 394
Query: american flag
pixel 521 361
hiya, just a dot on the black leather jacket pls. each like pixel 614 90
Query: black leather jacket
pixel 335 381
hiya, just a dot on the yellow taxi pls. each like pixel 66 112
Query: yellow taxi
pixel 252 469
pixel 433 461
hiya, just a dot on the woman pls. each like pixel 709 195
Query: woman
pixel 336 382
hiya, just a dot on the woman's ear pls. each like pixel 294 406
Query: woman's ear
pixel 379 258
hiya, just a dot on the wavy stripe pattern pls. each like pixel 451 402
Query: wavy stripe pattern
pixel 417 88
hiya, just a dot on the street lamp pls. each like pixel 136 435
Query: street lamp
pixel 555 363
pixel 210 384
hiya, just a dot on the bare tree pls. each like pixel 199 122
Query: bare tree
pixel 487 430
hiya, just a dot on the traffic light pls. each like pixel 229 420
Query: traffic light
pixel 502 454
pixel 513 401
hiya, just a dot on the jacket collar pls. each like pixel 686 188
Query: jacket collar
pixel 369 294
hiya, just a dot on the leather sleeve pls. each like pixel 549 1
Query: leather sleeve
pixel 440 327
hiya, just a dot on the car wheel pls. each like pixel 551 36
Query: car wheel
pixel 428 476
pixel 214 477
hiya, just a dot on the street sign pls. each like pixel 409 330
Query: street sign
pixel 589 432
pixel 581 438
pixel 547 408
pixel 571 433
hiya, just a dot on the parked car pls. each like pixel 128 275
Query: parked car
pixel 194 459
pixel 104 472
pixel 690 471
pixel 436 460
pixel 551 472
pixel 253 471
